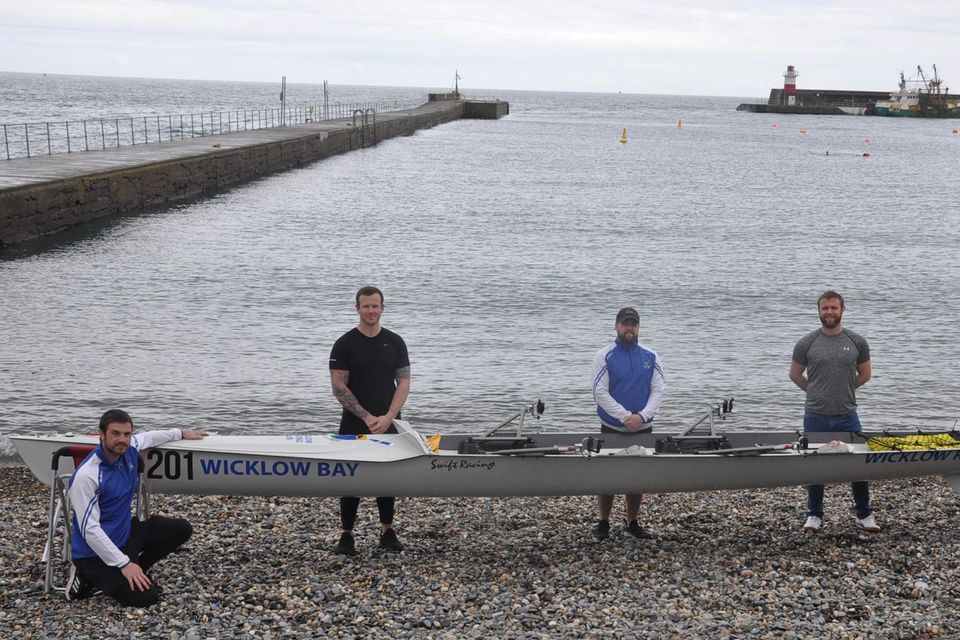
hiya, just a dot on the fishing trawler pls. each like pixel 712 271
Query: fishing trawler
pixel 925 99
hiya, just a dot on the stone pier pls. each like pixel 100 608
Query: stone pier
pixel 44 195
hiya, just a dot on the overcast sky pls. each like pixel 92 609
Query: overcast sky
pixel 692 47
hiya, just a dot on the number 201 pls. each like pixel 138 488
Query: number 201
pixel 167 464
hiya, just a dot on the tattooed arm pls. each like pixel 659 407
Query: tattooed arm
pixel 338 380
pixel 399 397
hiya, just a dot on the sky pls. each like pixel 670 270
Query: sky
pixel 673 47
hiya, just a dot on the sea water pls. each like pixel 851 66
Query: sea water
pixel 504 249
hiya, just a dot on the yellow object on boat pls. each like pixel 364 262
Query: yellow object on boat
pixel 913 443
pixel 433 442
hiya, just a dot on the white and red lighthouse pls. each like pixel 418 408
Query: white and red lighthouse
pixel 790 85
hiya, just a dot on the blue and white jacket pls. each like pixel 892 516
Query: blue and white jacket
pixel 627 379
pixel 101 494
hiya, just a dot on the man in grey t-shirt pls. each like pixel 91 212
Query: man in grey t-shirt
pixel 837 362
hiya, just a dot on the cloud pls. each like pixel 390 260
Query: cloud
pixel 688 46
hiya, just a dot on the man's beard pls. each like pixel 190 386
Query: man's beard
pixel 830 324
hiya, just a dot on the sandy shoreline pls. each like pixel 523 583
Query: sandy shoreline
pixel 725 565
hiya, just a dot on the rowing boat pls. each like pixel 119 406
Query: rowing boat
pixel 699 458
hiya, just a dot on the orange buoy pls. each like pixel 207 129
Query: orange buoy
pixel 803 130
pixel 956 131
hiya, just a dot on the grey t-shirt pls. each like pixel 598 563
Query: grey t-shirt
pixel 831 363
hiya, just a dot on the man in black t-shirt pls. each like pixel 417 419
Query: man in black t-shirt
pixel 370 375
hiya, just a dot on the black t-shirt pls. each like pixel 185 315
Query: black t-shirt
pixel 372 364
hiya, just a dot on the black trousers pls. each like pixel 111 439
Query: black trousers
pixel 349 506
pixel 150 541
pixel 349 425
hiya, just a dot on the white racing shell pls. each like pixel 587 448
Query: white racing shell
pixel 402 465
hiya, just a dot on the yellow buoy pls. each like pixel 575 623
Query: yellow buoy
pixel 679 123
pixel 623 136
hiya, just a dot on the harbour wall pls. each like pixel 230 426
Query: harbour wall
pixel 56 193
pixel 819 102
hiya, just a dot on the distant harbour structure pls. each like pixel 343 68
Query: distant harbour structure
pixel 789 99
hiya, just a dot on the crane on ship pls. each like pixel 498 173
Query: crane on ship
pixel 938 81
pixel 935 94
pixel 932 86
pixel 923 79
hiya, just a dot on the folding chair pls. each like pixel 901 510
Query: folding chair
pixel 57 552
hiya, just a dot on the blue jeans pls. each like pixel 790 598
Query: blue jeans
pixel 814 422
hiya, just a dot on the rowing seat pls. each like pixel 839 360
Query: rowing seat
pixel 57 552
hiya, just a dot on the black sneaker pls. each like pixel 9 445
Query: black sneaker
pixel 389 542
pixel 602 530
pixel 634 529
pixel 345 547
pixel 77 587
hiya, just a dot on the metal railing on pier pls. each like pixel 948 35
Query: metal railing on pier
pixel 30 139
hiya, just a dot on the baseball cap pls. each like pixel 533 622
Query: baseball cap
pixel 628 313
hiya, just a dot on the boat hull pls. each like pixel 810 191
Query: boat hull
pixel 263 467
pixel 895 113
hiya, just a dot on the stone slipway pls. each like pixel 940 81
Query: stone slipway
pixel 44 195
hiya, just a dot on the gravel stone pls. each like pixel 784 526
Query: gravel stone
pixel 731 564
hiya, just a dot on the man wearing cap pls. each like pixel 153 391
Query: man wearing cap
pixel 628 386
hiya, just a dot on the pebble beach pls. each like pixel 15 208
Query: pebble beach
pixel 723 565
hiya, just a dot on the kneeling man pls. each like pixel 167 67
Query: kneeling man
pixel 112 551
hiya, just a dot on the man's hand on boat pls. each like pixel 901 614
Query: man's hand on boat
pixel 633 422
pixel 378 424
pixel 193 434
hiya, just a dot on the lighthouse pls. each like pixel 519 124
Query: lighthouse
pixel 790 86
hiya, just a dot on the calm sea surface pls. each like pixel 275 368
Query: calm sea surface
pixel 504 249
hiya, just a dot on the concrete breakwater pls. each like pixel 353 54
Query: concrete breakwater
pixel 44 195
pixel 818 102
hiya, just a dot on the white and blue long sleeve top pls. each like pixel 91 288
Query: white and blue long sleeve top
pixel 101 494
pixel 627 379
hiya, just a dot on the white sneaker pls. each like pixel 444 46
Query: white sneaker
pixel 869 524
pixel 813 524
